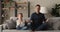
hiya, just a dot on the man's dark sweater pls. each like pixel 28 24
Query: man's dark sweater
pixel 37 20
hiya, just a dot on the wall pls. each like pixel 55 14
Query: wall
pixel 46 3
pixel 0 12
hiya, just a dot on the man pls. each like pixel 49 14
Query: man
pixel 37 19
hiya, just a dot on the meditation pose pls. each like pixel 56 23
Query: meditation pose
pixel 37 19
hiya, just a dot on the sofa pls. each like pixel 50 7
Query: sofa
pixel 52 22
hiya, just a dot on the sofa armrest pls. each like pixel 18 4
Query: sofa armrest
pixel 1 28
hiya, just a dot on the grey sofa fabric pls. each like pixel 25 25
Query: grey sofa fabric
pixel 54 23
pixel 0 28
pixel 10 24
pixel 28 31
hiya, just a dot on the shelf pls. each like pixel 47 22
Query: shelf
pixel 21 2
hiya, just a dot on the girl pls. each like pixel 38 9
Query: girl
pixel 20 22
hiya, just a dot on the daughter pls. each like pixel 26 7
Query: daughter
pixel 20 22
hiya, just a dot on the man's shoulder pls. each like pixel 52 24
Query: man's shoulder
pixel 41 13
pixel 33 13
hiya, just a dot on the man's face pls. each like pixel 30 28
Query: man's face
pixel 37 9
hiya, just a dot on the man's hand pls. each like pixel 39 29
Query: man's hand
pixel 47 20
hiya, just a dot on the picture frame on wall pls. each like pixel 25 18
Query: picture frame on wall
pixel 23 8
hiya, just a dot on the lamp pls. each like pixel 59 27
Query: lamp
pixel 44 10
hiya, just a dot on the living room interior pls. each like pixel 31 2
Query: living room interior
pixel 10 8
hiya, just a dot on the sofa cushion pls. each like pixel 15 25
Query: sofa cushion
pixel 16 30
pixel 54 23
pixel 11 23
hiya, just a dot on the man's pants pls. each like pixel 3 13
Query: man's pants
pixel 43 26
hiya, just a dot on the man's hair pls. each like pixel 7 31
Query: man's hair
pixel 38 5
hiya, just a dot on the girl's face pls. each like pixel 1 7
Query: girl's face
pixel 20 15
